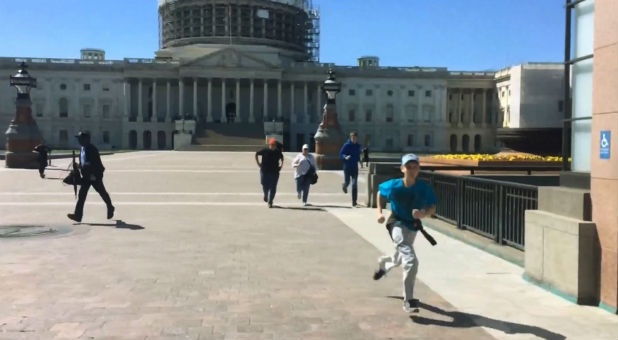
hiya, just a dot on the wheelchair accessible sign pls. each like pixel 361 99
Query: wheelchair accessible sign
pixel 605 143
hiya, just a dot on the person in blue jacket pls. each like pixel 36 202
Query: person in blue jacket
pixel 350 153
pixel 411 199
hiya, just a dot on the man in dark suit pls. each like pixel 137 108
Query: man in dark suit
pixel 92 175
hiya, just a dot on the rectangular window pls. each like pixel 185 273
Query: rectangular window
pixel 351 92
pixel 560 105
pixel 368 115
pixel 39 110
pixel 351 115
pixel 105 89
pixel 105 137
pixel 86 87
pixel 410 93
pixel 428 93
pixel 369 92
pixel 427 140
pixel 105 111
pixel 410 140
pixel 63 138
pixel 87 110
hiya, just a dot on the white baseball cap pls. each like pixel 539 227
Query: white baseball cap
pixel 305 146
pixel 409 158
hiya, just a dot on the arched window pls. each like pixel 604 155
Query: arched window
pixel 161 140
pixel 477 143
pixel 133 139
pixel 465 143
pixel 147 139
pixel 453 143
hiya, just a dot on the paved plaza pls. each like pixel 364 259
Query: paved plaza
pixel 194 253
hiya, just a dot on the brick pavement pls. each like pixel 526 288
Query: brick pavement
pixel 197 256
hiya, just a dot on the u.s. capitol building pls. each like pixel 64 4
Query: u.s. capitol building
pixel 245 63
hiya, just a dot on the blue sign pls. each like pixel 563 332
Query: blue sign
pixel 605 143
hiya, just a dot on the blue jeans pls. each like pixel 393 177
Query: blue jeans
pixel 351 173
pixel 269 184
pixel 302 185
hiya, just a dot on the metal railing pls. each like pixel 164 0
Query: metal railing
pixel 491 208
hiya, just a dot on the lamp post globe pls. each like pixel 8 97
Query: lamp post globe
pixel 329 138
pixel 23 133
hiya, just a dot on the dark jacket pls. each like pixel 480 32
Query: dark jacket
pixel 352 149
pixel 93 163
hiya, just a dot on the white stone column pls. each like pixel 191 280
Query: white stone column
pixel 154 100
pixel 181 97
pixel 472 123
pixel 279 95
pixel 168 101
pixel 223 97
pixel 140 117
pixel 484 109
pixel 458 107
pixel 209 109
pixel 318 101
pixel 238 117
pixel 265 114
pixel 126 91
pixel 436 97
pixel 251 99
pixel 195 116
pixel 306 102
pixel 292 111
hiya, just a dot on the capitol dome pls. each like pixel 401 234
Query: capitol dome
pixel 290 25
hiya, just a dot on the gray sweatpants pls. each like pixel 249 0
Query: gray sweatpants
pixel 404 255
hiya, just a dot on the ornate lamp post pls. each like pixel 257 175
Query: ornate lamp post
pixel 329 138
pixel 23 133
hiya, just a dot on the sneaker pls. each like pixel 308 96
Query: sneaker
pixel 344 188
pixel 298 195
pixel 354 205
pixel 305 204
pixel 265 198
pixel 74 217
pixel 110 212
pixel 378 274
pixel 270 204
pixel 410 306
pixel 42 175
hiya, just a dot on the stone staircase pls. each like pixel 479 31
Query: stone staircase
pixel 228 137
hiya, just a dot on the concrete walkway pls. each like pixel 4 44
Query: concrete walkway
pixel 194 253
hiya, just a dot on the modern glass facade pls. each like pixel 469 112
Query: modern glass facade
pixel 581 85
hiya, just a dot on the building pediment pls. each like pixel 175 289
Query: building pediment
pixel 229 58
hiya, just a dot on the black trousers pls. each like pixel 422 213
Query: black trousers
pixel 83 192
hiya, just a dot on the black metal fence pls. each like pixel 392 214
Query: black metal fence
pixel 488 207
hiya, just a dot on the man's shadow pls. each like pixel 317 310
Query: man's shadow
pixel 120 224
pixel 331 206
pixel 307 208
pixel 467 320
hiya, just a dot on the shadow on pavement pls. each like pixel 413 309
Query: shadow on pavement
pixel 332 206
pixel 120 224
pixel 465 320
pixel 309 208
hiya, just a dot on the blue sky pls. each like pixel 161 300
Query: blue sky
pixel 470 35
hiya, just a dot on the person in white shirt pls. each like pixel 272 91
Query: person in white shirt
pixel 302 163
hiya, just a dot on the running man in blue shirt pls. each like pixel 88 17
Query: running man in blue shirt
pixel 411 200
pixel 350 153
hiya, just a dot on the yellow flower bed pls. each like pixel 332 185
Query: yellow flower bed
pixel 505 157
